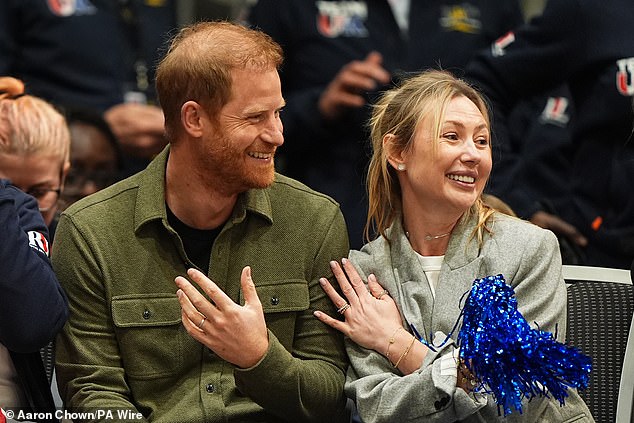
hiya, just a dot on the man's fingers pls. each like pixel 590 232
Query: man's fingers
pixel 190 326
pixel 183 298
pixel 212 290
pixel 188 290
pixel 189 312
pixel 248 287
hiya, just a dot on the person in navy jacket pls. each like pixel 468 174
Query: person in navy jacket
pixel 588 45
pixel 93 54
pixel 33 307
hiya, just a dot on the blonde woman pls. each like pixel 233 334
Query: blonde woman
pixel 34 146
pixel 432 158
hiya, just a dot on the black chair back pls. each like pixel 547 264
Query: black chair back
pixel 599 319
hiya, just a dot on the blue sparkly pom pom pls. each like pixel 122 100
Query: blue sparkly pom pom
pixel 511 360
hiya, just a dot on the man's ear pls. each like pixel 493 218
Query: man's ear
pixel 393 152
pixel 192 118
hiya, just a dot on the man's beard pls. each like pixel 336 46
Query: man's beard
pixel 228 171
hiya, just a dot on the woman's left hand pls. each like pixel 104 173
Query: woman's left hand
pixel 371 315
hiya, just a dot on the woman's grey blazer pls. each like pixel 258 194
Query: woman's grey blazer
pixel 526 255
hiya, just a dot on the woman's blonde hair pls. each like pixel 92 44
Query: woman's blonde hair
pixel 30 125
pixel 399 112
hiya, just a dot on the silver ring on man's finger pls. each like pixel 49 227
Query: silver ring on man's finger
pixel 343 308
pixel 202 322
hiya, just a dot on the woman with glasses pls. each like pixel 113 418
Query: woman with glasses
pixel 34 146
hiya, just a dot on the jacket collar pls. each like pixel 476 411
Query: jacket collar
pixel 150 204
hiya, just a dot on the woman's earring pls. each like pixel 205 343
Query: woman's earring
pixel 401 166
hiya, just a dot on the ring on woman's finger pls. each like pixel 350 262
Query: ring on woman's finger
pixel 343 308
pixel 385 292
pixel 202 322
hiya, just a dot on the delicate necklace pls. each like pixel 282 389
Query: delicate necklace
pixel 430 237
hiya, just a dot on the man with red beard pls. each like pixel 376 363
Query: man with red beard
pixel 243 344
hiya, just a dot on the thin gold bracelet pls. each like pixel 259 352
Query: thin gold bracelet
pixel 409 347
pixel 390 341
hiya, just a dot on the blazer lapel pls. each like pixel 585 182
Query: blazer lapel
pixel 461 266
pixel 463 263
pixel 416 298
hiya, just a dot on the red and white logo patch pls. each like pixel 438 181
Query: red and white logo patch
pixel 38 241
pixel 65 8
pixel 497 49
pixel 555 111
pixel 625 76
pixel 61 7
pixel 342 18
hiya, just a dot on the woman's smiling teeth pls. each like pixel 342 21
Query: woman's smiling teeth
pixel 462 178
pixel 257 155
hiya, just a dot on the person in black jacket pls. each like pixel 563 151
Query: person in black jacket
pixel 93 54
pixel 588 45
pixel 33 307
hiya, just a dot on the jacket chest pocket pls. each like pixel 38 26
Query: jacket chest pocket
pixel 150 334
pixel 281 302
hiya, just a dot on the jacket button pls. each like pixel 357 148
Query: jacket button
pixel 210 388
pixel 441 402
pixel 275 300
pixel 147 314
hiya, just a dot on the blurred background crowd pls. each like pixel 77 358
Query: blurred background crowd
pixel 94 60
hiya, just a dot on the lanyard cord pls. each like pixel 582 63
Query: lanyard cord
pixel 130 22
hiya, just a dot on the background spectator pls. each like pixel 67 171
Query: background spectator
pixel 92 54
pixel 588 46
pixel 95 156
pixel 34 153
